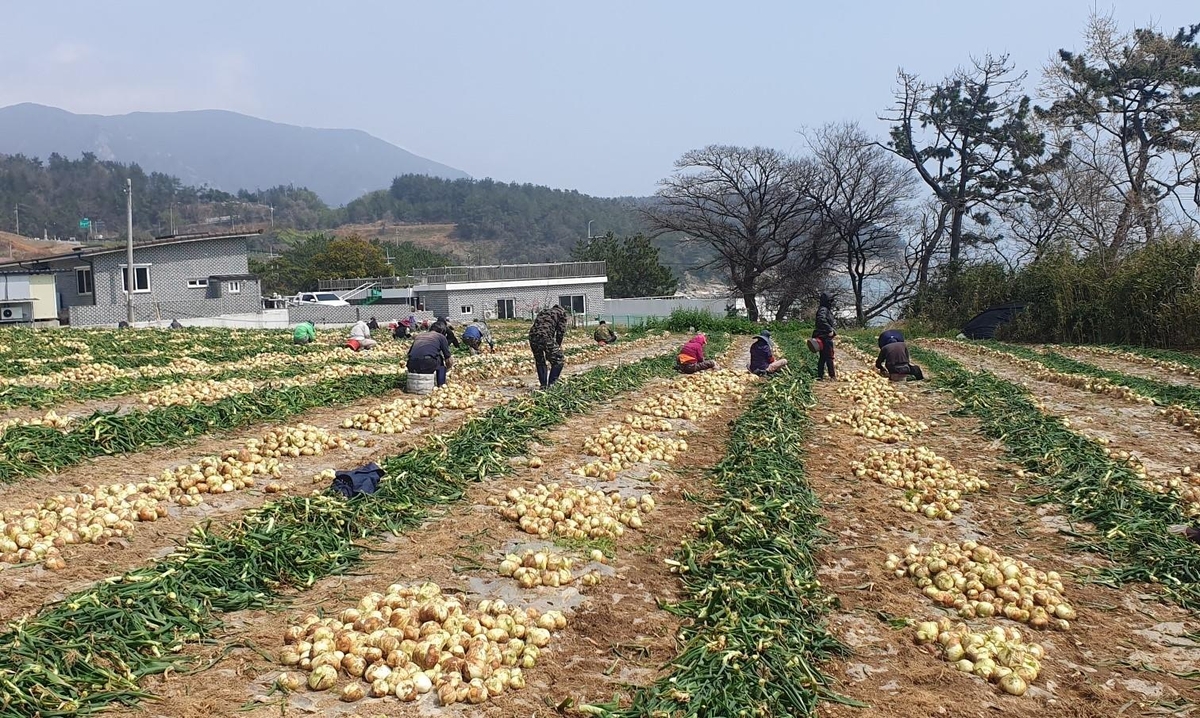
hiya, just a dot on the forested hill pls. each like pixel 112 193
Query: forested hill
pixel 505 222
pixel 525 222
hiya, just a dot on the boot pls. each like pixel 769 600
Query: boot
pixel 541 370
pixel 554 372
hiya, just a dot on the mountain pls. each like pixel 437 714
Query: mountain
pixel 221 149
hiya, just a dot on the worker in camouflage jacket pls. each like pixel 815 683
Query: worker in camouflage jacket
pixel 545 340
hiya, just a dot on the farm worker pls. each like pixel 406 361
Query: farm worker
pixel 545 341
pixel 373 325
pixel 304 333
pixel 691 356
pixel 442 325
pixel 604 335
pixel 361 333
pixel 825 333
pixel 175 324
pixel 402 328
pixel 476 334
pixel 893 357
pixel 762 356
pixel 430 354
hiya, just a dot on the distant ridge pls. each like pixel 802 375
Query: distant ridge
pixel 221 149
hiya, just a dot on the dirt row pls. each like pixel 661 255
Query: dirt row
pixel 616 635
pixel 25 589
pixel 1139 428
pixel 1103 360
pixel 1118 658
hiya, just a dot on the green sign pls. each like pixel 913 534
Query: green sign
pixel 85 223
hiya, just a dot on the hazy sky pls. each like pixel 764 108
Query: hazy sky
pixel 599 96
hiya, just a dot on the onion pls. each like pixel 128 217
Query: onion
pixel 1013 684
pixel 322 678
pixel 290 682
pixel 353 692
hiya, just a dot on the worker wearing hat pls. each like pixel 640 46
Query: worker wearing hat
pixel 762 356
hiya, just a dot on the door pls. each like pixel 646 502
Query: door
pixel 505 309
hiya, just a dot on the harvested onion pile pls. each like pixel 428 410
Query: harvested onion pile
pixel 538 568
pixel 873 416
pixel 396 416
pixel 1179 416
pixel 50 418
pixel 411 641
pixel 573 512
pixel 695 396
pixel 1000 655
pixel 977 581
pixel 619 446
pixel 932 485
pixel 196 391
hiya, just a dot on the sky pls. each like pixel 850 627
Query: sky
pixel 600 96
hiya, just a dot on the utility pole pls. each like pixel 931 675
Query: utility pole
pixel 272 216
pixel 17 210
pixel 590 228
pixel 131 276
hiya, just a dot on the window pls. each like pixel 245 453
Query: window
pixel 197 283
pixel 83 280
pixel 505 309
pixel 466 309
pixel 322 297
pixel 141 278
pixel 418 303
pixel 235 287
pixel 573 303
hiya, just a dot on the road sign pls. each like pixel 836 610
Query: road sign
pixel 85 223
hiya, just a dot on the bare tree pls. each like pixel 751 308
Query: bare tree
pixel 1129 106
pixel 861 192
pixel 745 203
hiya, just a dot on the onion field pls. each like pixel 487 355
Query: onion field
pixel 631 542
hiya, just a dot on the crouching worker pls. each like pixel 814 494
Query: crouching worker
pixel 762 356
pixel 360 337
pixel 476 334
pixel 604 335
pixel 430 354
pixel 893 358
pixel 691 356
pixel 305 333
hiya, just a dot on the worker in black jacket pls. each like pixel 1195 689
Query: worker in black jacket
pixel 893 357
pixel 442 326
pixel 825 332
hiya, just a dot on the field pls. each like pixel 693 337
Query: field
pixel 632 542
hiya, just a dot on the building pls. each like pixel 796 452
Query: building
pixel 507 291
pixel 181 277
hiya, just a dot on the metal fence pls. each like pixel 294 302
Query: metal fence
pixel 507 272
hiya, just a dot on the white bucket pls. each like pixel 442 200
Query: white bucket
pixel 421 383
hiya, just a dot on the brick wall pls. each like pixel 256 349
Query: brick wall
pixel 248 302
pixel 171 266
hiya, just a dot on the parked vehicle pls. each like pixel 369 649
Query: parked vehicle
pixel 328 299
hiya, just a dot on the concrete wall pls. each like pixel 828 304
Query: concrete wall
pixel 645 308
pixel 326 316
pixel 248 302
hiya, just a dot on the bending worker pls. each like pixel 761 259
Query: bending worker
pixel 762 356
pixel 476 334
pixel 603 334
pixel 430 354
pixel 305 333
pixel 545 341
pixel 443 326
pixel 361 333
pixel 691 356
pixel 893 357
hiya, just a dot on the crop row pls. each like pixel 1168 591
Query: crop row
pixel 1131 524
pixel 91 650
pixel 753 630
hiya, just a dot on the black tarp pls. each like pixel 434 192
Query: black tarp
pixel 983 325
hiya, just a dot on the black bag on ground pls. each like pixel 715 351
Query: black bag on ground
pixel 363 480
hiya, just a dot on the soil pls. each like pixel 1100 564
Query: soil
pixel 25 589
pixel 616 635
pixel 1115 660
pixel 1138 428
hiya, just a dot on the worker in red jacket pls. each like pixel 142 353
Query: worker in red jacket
pixel 691 356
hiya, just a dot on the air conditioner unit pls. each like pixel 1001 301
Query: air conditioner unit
pixel 10 314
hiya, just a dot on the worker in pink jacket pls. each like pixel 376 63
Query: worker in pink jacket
pixel 691 356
